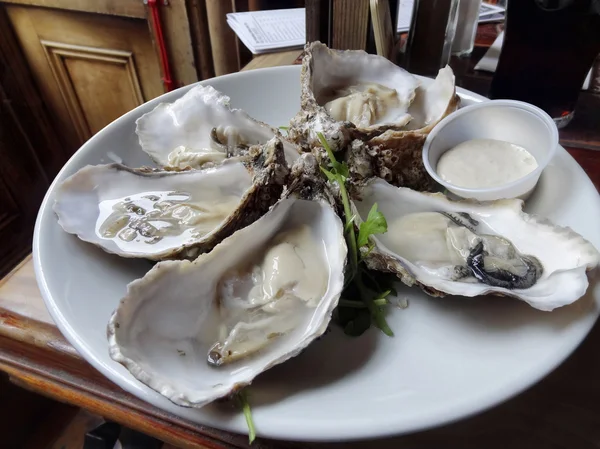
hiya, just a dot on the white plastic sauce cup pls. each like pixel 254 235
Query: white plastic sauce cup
pixel 511 121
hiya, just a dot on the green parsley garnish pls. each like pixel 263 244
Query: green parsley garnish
pixel 356 316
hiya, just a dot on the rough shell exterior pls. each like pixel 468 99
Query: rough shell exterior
pixel 397 155
pixel 270 175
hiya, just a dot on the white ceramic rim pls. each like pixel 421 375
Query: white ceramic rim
pixel 72 336
pixel 469 192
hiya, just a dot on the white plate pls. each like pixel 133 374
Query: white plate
pixel 450 357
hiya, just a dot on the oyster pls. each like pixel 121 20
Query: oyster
pixel 201 128
pixel 349 93
pixel 156 214
pixel 352 94
pixel 469 249
pixel 198 331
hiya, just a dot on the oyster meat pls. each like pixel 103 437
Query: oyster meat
pixel 268 297
pixel 156 214
pixel 198 331
pixel 469 249
pixel 201 128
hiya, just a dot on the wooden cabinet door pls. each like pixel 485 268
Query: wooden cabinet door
pixel 95 60
pixel 30 151
pixel 67 69
pixel 23 184
pixel 10 218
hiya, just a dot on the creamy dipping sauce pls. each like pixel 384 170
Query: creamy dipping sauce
pixel 269 297
pixel 362 104
pixel 481 163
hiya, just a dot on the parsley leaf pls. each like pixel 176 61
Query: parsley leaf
pixel 375 224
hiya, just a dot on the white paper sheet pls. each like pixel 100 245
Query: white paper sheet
pixel 264 31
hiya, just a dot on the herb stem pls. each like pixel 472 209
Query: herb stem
pixel 352 238
pixel 347 211
pixel 380 302
pixel 374 310
pixel 374 224
pixel 247 415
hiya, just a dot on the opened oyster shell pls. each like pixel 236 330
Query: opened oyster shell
pixel 198 331
pixel 469 249
pixel 156 215
pixel 201 128
pixel 352 94
pixel 348 92
pixel 367 104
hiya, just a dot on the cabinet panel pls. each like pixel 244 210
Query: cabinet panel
pixel 90 68
pixel 30 150
pixel 67 69
pixel 22 187
pixel 97 85
pixel 8 209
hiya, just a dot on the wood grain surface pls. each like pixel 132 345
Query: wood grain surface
pixel 273 60
pixel 127 8
pixel 90 68
pixel 560 412
pixel 349 25
pixel 223 40
pixel 30 150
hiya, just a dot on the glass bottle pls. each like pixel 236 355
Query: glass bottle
pixel 430 37
pixel 466 27
pixel 548 49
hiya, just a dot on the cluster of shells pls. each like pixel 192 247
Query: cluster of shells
pixel 232 197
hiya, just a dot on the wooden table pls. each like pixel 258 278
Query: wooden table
pixel 562 411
